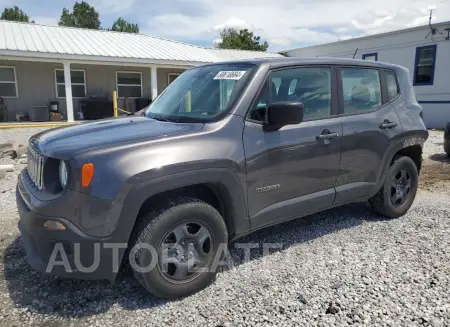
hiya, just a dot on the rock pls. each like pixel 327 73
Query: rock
pixel 302 299
pixel 21 150
pixel 7 168
pixel 23 161
pixel 5 146
pixel 332 309
pixel 8 153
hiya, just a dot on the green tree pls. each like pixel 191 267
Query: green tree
pixel 83 15
pixel 121 25
pixel 241 39
pixel 15 14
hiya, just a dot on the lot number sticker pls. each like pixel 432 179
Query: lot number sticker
pixel 230 74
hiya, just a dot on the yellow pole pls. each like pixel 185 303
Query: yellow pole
pixel 115 103
pixel 188 101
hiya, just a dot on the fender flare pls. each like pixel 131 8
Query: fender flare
pixel 232 194
pixel 417 138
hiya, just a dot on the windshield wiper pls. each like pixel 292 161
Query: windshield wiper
pixel 160 118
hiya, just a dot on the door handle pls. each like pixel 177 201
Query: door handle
pixel 327 136
pixel 387 124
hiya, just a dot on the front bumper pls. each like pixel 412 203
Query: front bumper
pixel 67 253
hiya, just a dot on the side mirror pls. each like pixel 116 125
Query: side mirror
pixel 280 114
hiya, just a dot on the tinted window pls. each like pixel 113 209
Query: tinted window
pixel 171 77
pixel 424 69
pixel 311 86
pixel 8 86
pixel 392 86
pixel 361 88
pixel 370 56
pixel 129 84
pixel 78 81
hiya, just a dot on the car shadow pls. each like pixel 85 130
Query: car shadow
pixel 68 298
pixel 440 157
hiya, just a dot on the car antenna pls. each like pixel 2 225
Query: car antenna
pixel 355 53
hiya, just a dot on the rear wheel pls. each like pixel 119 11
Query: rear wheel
pixel 176 246
pixel 399 189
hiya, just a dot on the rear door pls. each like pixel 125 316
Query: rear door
pixel 370 124
pixel 293 171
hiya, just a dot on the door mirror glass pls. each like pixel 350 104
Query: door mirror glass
pixel 280 114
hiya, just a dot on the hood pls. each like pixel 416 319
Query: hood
pixel 66 142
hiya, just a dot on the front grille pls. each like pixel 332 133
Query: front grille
pixel 35 168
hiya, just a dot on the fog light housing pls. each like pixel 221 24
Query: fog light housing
pixel 52 224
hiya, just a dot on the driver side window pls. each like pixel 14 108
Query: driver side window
pixel 309 85
pixel 259 109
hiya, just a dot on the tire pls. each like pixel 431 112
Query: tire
pixel 447 140
pixel 153 229
pixel 382 202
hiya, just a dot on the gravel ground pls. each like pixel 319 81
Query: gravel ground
pixel 337 268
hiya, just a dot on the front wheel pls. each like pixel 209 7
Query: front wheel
pixel 399 189
pixel 178 247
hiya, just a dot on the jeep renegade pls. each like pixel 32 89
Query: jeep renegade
pixel 225 150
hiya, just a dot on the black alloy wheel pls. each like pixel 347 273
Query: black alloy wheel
pixel 400 187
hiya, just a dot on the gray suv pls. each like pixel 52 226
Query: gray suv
pixel 225 150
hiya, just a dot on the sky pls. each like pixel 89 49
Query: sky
pixel 285 24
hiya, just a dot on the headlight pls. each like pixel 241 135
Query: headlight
pixel 63 174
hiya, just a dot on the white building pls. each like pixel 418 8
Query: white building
pixel 424 50
pixel 40 64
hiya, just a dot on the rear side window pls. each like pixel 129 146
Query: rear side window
pixel 392 85
pixel 361 88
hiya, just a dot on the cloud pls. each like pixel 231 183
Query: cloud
pixel 283 23
pixel 46 20
pixel 288 23
pixel 107 7
pixel 233 22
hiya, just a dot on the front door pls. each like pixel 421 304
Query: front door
pixel 293 171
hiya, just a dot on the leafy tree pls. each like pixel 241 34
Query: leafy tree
pixel 66 18
pixel 242 39
pixel 121 25
pixel 15 14
pixel 83 15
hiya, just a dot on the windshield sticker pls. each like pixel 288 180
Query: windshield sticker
pixel 230 74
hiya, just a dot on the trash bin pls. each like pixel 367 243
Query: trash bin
pixel 38 113
pixel 96 108
pixel 142 103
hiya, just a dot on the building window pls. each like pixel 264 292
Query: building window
pixel 8 82
pixel 424 66
pixel 370 56
pixel 129 84
pixel 78 81
pixel 171 77
pixel 362 90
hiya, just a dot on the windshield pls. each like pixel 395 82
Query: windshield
pixel 202 93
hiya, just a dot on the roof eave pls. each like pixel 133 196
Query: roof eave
pixel 103 60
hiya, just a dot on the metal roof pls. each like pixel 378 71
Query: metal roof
pixel 56 42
